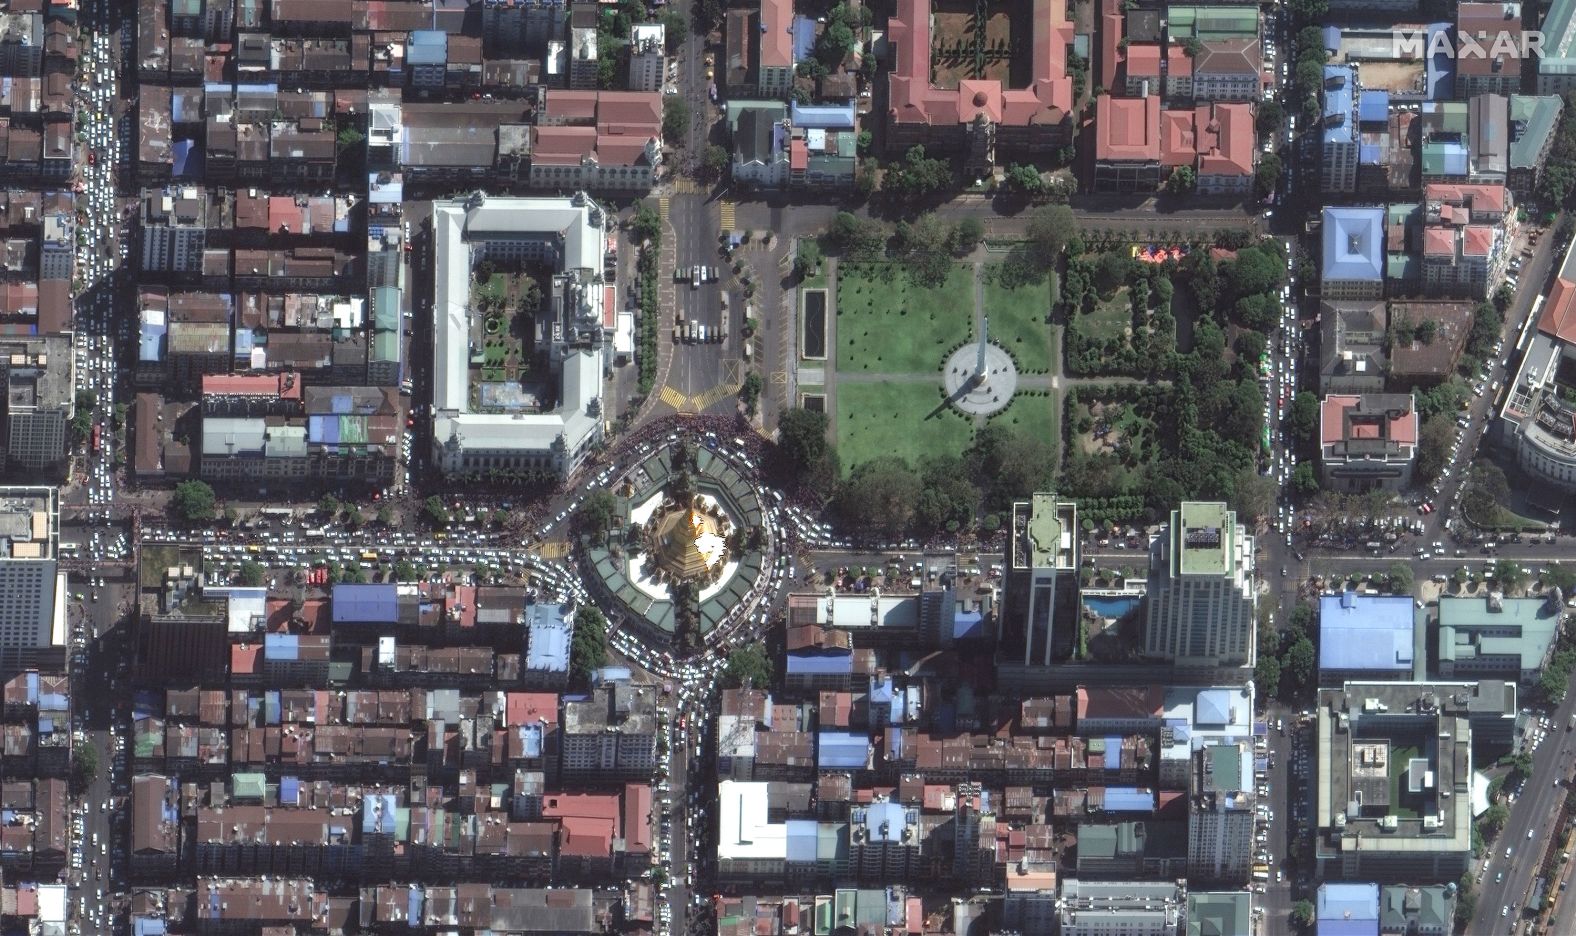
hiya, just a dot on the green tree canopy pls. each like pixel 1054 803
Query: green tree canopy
pixel 434 510
pixel 1012 464
pixel 1300 665
pixel 879 496
pixel 1304 415
pixel 588 646
pixel 1400 577
pixel 597 514
pixel 946 498
pixel 1433 446
pixel 252 574
pixel 917 176
pixel 193 501
pixel 1049 229
pixel 675 120
pixel 802 446
pixel 748 664
pixel 1302 914
pixel 1266 676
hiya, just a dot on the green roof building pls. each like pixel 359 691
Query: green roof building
pixel 1532 122
pixel 1219 913
pixel 1201 595
pixel 1426 911
pixel 1557 64
pixel 1207 23
pixel 1496 637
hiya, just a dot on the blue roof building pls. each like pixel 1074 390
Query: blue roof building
pixel 1373 107
pixel 365 604
pixel 841 750
pixel 1338 161
pixel 1338 85
pixel 822 116
pixel 1348 910
pixel 1129 799
pixel 1368 637
pixel 1353 264
pixel 546 642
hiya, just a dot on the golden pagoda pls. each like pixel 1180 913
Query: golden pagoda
pixel 690 544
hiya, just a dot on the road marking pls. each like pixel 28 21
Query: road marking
pixel 707 399
pixel 662 208
pixel 730 371
pixel 672 397
pixel 725 210
pixel 780 378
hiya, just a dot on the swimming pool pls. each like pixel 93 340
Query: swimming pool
pixel 1112 606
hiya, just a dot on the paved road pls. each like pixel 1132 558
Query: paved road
pixel 1534 812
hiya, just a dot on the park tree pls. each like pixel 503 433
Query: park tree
pixel 750 392
pixel 878 497
pixel 1111 271
pixel 1049 230
pixel 1304 415
pixel 714 161
pixel 675 30
pixel 966 235
pixel 435 511
pixel 252 574
pixel 748 665
pixel 1250 346
pixel 917 176
pixel 84 766
pixel 1271 117
pixel 807 261
pixel 675 120
pixel 1486 488
pixel 647 223
pixel 1309 11
pixel 1304 480
pixel 1299 665
pixel 1253 494
pixel 1012 465
pixel 946 498
pixel 1258 311
pixel 588 646
pixel 1183 180
pixel 1266 676
pixel 1024 180
pixel 1433 446
pixel 1509 574
pixel 597 514
pixel 804 453
pixel 1267 176
pixel 1302 915
pixel 406 571
pixel 924 247
pixel 1400 577
pixel 193 501
pixel 1255 270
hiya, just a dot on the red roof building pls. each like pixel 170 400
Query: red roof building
pixel 1368 442
pixel 1035 118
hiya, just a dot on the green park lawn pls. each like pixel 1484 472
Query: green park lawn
pixel 893 327
pixel 897 418
pixel 1032 415
pixel 1111 318
pixel 1018 318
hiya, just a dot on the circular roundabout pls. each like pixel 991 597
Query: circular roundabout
pixel 980 384
pixel 692 549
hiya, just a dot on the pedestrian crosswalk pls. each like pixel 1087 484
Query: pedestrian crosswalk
pixel 662 208
pixel 726 209
pixel 672 397
pixel 705 400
